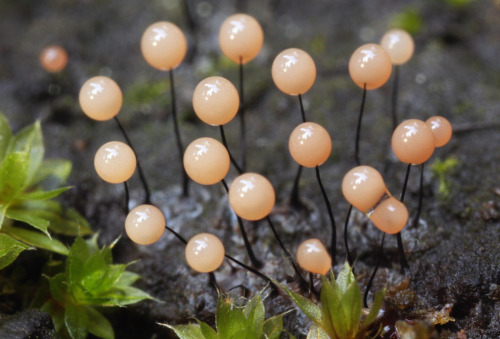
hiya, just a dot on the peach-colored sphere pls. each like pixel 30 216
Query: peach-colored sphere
pixel 413 142
pixel 371 65
pixel 390 216
pixel 163 45
pixel 441 128
pixel 293 71
pixel 363 187
pixel 115 162
pixel 145 224
pixel 241 38
pixel 53 59
pixel 100 98
pixel 204 252
pixel 310 144
pixel 206 161
pixel 216 101
pixel 251 196
pixel 313 257
pixel 399 45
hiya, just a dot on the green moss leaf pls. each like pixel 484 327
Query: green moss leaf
pixel 334 319
pixel 37 239
pixel 316 332
pixel 29 218
pixel 351 303
pixel 191 331
pixel 376 306
pixel 43 195
pixel 229 318
pixel 5 136
pixel 76 321
pixel 310 309
pixel 273 327
pixel 53 172
pixel 254 312
pixel 207 331
pixel 13 175
pixel 10 249
pixel 98 325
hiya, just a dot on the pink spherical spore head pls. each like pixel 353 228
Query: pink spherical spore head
pixel 145 224
pixel 413 142
pixel 310 144
pixel 399 45
pixel 390 216
pixel 53 59
pixel 115 162
pixel 363 187
pixel 293 71
pixel 441 128
pixel 241 38
pixel 100 98
pixel 313 257
pixel 216 101
pixel 206 161
pixel 251 196
pixel 204 253
pixel 371 65
pixel 163 45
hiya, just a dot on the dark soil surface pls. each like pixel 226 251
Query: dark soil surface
pixel 453 252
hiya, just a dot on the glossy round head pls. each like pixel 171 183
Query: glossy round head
pixel 251 196
pixel 241 38
pixel 390 216
pixel 145 224
pixel 313 257
pixel 204 252
pixel 206 161
pixel 53 59
pixel 399 44
pixel 163 45
pixel 293 71
pixel 115 162
pixel 371 65
pixel 442 130
pixel 413 142
pixel 310 144
pixel 363 187
pixel 216 101
pixel 100 98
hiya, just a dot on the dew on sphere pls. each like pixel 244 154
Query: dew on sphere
pixel 204 252
pixel 115 162
pixel 206 161
pixel 100 98
pixel 145 224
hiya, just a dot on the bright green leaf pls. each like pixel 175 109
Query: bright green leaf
pixel 345 278
pixel 5 136
pixel 43 195
pixel 76 321
pixel 58 287
pixel 127 278
pixel 310 309
pixel 98 325
pixel 273 327
pixel 351 303
pixel 37 239
pixel 29 218
pixel 229 318
pixel 376 306
pixel 78 255
pixel 334 322
pixel 254 312
pixel 207 331
pixel 315 332
pixel 13 175
pixel 52 172
pixel 65 221
pixel 3 210
pixel 9 249
pixel 186 331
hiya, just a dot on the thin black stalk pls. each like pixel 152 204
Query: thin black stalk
pixel 127 197
pixel 147 199
pixel 224 142
pixel 420 197
pixel 348 253
pixel 294 195
pixel 302 112
pixel 253 259
pixel 358 129
pixel 302 280
pixel 401 250
pixel 365 296
pixel 180 148
pixel 213 282
pixel 333 241
pixel 394 98
pixel 177 235
pixel 243 132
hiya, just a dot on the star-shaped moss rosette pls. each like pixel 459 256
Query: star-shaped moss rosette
pixel 28 183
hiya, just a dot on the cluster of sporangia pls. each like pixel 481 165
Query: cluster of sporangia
pixel 216 102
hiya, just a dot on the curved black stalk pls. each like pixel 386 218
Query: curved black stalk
pixel 177 235
pixel 358 128
pixel 348 253
pixel 394 98
pixel 294 195
pixel 420 197
pixel 147 199
pixel 401 250
pixel 224 142
pixel 302 112
pixel 213 282
pixel 243 132
pixel 127 197
pixel 253 259
pixel 330 215
pixel 302 281
pixel 380 254
pixel 180 148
